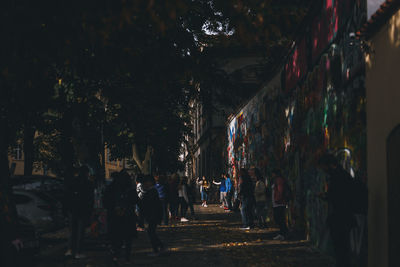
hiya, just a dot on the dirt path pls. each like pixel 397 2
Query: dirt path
pixel 213 240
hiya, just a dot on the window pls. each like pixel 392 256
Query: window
pixel 17 152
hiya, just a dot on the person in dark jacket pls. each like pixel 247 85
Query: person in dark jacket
pixel 246 194
pixel 191 189
pixel 120 200
pixel 163 190
pixel 79 203
pixel 152 211
pixel 173 196
pixel 340 216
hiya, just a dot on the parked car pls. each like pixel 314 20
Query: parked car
pixel 42 210
pixel 51 185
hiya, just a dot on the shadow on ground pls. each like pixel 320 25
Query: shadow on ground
pixel 213 240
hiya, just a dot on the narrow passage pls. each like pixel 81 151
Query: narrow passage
pixel 213 240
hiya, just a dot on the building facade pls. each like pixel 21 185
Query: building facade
pixel 382 36
pixel 16 161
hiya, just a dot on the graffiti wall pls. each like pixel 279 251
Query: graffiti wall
pixel 316 105
pixel 248 130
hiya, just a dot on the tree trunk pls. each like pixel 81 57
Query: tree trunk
pixel 4 168
pixel 29 135
pixel 144 165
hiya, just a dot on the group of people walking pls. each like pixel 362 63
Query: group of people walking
pixel 130 204
pixel 133 203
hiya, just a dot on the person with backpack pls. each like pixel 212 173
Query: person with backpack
pixel 260 194
pixel 120 200
pixel 79 204
pixel 152 212
pixel 280 198
pixel 340 197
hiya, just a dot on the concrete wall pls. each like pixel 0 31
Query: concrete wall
pixel 383 115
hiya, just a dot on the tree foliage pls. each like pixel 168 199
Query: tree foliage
pixel 89 73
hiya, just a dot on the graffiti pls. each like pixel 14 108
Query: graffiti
pixel 319 110
pixel 248 132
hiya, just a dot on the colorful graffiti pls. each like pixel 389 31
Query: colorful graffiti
pixel 322 108
pixel 248 131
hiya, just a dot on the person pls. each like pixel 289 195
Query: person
pixel 230 190
pixel 222 191
pixel 140 192
pixel 120 200
pixel 279 202
pixel 246 195
pixel 260 194
pixel 163 190
pixel 191 185
pixel 79 203
pixel 183 198
pixel 340 216
pixel 152 212
pixel 173 196
pixel 204 187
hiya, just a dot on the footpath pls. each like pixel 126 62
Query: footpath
pixel 214 239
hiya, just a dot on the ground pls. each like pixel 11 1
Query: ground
pixel 214 239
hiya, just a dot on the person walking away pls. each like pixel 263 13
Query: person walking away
pixel 246 195
pixel 260 194
pixel 191 186
pixel 173 196
pixel 79 204
pixel 140 192
pixel 163 190
pixel 340 215
pixel 121 200
pixel 222 191
pixel 279 202
pixel 152 212
pixel 204 187
pixel 229 192
pixel 183 198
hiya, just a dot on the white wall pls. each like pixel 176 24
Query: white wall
pixel 383 114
